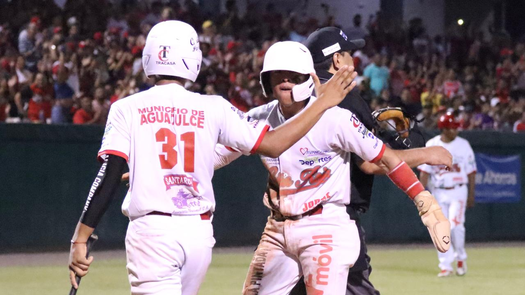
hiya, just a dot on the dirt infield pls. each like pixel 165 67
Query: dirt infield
pixel 61 258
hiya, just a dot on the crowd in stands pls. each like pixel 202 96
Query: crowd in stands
pixel 68 65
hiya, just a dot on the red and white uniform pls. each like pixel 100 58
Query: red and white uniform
pixel 168 135
pixel 313 176
pixel 450 188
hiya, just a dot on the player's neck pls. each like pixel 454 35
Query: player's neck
pixel 289 111
pixel 446 139
pixel 165 82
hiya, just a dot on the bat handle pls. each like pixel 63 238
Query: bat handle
pixel 89 244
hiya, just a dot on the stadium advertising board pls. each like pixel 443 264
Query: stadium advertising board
pixel 498 179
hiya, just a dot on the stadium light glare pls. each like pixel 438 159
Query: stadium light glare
pixel 460 22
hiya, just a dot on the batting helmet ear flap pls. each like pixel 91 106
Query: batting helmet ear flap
pixel 265 84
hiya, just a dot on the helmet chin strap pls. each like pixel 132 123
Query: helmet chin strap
pixel 303 91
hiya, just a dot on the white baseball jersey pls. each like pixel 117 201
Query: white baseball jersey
pixel 316 169
pixel 168 135
pixel 462 159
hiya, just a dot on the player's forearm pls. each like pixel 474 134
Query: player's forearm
pixel 471 185
pixel 277 141
pixel 401 175
pixel 433 155
pixel 413 157
pixel 82 233
pixel 389 161
pixel 102 190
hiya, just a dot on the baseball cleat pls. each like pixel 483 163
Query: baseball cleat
pixel 444 273
pixel 462 268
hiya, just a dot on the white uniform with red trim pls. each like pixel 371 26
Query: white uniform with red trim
pixel 168 135
pixel 450 188
pixel 313 177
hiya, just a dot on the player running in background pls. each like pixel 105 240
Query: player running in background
pixel 454 190
pixel 309 231
pixel 167 136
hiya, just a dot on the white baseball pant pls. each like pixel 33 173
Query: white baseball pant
pixel 168 254
pixel 453 203
pixel 321 247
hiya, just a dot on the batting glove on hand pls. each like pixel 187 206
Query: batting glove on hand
pixel 437 224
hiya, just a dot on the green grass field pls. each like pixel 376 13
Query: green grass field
pixel 397 270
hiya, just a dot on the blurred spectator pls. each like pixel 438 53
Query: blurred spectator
pixel 483 120
pixel 85 114
pixel 40 104
pixel 390 99
pixel 61 112
pixel 378 74
pixel 430 97
pixel 4 99
pixel 452 86
pixel 100 106
pixel 408 104
pixel 27 44
pixel 356 31
pixel 519 126
pixel 425 119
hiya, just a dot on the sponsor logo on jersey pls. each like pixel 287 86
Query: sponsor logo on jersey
pixel 171 115
pixel 307 152
pixel 312 204
pixel 186 200
pixel 355 121
pixel 323 260
pixel 315 160
pixel 309 178
pixel 180 179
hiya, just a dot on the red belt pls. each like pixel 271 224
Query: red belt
pixel 452 187
pixel 204 216
pixel 279 217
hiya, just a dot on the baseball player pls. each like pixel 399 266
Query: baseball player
pixel 167 136
pixel 309 232
pixel 454 190
pixel 331 49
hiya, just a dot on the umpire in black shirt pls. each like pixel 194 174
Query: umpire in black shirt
pixel 331 49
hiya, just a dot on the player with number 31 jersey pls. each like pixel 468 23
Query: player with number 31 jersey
pixel 175 144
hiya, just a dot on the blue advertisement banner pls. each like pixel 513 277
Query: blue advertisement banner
pixel 498 179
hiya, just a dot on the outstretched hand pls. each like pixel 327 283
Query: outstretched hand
pixel 335 90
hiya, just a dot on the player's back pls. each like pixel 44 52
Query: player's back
pixel 169 134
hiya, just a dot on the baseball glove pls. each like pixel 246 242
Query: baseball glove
pixel 400 119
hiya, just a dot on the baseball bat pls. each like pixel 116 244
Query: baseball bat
pixel 89 244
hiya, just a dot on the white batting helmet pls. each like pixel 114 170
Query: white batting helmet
pixel 289 56
pixel 172 49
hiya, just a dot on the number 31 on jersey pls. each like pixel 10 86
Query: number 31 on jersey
pixel 168 158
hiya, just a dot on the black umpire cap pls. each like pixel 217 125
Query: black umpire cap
pixel 324 42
